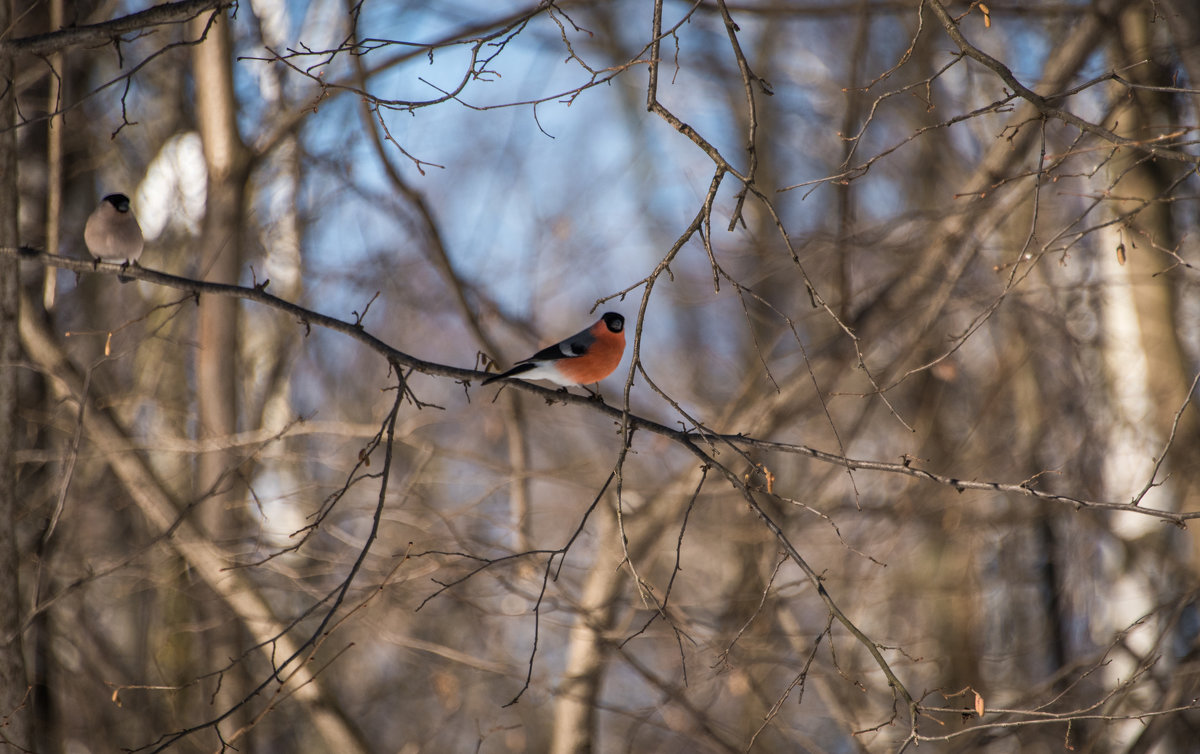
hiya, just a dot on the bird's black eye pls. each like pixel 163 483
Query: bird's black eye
pixel 615 322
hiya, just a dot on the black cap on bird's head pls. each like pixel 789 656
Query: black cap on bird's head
pixel 119 201
pixel 614 322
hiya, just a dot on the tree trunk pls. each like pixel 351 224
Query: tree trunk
pixel 13 679
pixel 219 255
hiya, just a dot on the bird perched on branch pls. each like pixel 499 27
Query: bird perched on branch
pixel 587 356
pixel 112 233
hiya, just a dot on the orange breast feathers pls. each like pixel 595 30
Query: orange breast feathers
pixel 602 357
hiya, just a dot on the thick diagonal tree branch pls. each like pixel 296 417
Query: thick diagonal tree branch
pixel 272 636
pixel 104 32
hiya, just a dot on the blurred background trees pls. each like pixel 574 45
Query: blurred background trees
pixel 903 450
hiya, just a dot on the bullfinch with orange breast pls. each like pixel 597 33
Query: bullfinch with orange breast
pixel 112 233
pixel 586 357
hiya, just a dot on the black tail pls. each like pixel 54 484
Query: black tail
pixel 518 369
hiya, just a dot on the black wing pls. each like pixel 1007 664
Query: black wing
pixel 576 345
